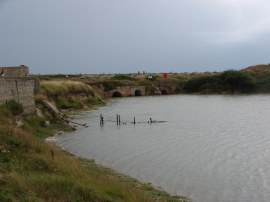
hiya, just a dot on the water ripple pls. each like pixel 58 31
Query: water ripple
pixel 211 149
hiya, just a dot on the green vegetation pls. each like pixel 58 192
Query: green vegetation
pixel 58 88
pixel 95 101
pixel 227 82
pixel 237 81
pixel 207 84
pixel 109 84
pixel 261 76
pixel 69 94
pixel 230 81
pixel 31 170
pixel 123 77
pixel 9 110
pixel 37 125
pixel 255 79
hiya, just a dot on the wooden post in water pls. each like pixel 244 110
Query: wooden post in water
pixel 134 122
pixel 151 120
pixel 101 120
pixel 119 119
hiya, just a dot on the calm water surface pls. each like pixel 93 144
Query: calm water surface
pixel 210 149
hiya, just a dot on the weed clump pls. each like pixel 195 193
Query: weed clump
pixel 10 109
pixel 56 88
pixel 69 94
pixel 123 77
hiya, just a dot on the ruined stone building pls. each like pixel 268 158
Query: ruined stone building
pixel 20 71
pixel 16 84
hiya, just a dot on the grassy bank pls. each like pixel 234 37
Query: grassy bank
pixel 32 170
pixel 67 94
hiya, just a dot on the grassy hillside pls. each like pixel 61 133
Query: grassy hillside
pixel 32 170
pixel 261 75
pixel 68 94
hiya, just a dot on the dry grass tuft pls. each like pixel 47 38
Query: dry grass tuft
pixel 56 88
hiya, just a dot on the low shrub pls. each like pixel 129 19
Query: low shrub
pixel 69 102
pixel 10 109
pixel 94 101
pixel 237 81
pixel 14 107
pixel 123 77
pixel 111 84
pixel 202 84
pixel 229 81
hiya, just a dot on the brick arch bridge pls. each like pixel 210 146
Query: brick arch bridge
pixel 127 91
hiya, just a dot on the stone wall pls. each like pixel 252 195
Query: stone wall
pixel 14 71
pixel 20 89
pixel 138 91
pixel 126 91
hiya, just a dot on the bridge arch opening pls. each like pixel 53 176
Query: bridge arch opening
pixel 117 94
pixel 138 93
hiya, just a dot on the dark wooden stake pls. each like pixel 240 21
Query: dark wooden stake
pixel 118 119
pixel 101 120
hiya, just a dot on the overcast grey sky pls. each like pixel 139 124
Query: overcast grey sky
pixel 110 36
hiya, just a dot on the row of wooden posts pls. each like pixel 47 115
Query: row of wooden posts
pixel 118 120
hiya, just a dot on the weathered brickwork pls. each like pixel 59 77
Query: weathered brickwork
pixel 19 89
pixel 126 91
pixel 16 84
pixel 138 90
pixel 14 71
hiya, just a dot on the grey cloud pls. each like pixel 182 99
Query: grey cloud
pixel 126 36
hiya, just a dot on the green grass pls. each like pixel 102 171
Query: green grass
pixel 10 109
pixel 95 101
pixel 123 77
pixel 31 170
pixel 67 94
pixel 38 127
pixel 64 102
pixel 228 82
pixel 76 102
pixel 108 84
pixel 261 75
pixel 56 88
